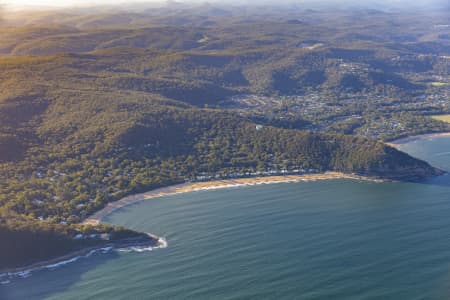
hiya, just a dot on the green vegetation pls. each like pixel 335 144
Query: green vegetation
pixel 93 108
pixel 26 240
pixel 439 84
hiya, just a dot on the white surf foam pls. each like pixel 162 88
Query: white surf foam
pixel 162 243
pixel 137 249
pixel 442 154
pixel 62 263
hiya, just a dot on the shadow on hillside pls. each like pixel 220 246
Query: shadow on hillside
pixel 45 283
pixel 443 180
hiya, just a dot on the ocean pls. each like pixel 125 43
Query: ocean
pixel 336 239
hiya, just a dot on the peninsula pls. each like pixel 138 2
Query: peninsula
pixel 96 108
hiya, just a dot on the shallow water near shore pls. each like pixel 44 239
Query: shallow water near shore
pixel 337 239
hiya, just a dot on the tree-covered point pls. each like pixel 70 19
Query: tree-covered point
pixel 72 175
pixel 97 107
pixel 26 241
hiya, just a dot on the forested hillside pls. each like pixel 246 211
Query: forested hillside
pixel 93 108
pixel 73 142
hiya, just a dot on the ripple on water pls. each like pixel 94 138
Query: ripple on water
pixel 339 239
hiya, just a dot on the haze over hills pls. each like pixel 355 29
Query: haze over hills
pixel 99 104
pixel 382 4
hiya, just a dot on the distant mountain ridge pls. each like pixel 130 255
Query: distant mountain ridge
pixel 95 107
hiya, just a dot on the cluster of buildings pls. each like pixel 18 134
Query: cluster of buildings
pixel 93 236
pixel 252 173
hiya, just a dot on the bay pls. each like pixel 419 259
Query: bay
pixel 337 239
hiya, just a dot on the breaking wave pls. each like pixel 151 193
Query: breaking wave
pixel 5 278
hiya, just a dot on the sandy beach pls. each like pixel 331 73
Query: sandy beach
pixel 217 184
pixel 409 139
pixel 166 191
pixel 227 183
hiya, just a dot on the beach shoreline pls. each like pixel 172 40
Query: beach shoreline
pixel 186 187
pixel 408 139
pixel 151 241
pixel 155 241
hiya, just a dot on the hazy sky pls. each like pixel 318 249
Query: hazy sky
pixel 64 3
pixel 61 3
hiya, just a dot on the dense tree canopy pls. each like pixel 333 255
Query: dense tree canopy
pixel 94 108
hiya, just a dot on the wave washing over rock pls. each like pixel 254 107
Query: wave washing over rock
pixel 6 278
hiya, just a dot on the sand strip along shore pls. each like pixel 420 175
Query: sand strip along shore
pixel 217 184
pixel 159 242
pixel 409 139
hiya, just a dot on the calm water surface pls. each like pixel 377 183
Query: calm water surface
pixel 337 239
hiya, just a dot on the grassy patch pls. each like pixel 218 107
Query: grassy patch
pixel 444 118
pixel 438 84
